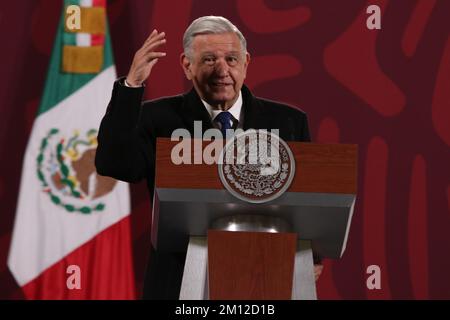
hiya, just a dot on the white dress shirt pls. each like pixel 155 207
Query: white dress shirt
pixel 235 110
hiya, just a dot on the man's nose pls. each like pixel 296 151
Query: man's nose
pixel 222 68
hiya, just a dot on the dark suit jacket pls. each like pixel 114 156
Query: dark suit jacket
pixel 126 147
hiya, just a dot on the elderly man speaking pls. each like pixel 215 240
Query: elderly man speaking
pixel 215 59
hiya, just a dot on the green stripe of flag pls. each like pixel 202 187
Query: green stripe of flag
pixel 69 39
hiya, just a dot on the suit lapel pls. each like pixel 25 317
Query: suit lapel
pixel 192 110
pixel 252 112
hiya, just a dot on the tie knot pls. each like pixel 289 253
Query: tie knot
pixel 224 117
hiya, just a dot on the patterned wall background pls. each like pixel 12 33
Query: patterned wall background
pixel 386 90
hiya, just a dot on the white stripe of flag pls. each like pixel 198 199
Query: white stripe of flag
pixel 83 39
pixel 86 3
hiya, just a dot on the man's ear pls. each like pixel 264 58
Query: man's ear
pixel 246 63
pixel 186 65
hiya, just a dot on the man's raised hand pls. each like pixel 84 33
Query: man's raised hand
pixel 145 58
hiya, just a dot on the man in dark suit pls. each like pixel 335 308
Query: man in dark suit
pixel 215 59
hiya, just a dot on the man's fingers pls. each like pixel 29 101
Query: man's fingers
pixel 152 35
pixel 158 39
pixel 153 45
pixel 150 47
pixel 153 55
pixel 153 62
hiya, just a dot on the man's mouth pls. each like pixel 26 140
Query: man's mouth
pixel 221 84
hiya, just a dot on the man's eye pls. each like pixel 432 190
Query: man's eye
pixel 232 60
pixel 209 60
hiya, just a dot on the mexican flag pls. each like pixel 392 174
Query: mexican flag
pixel 71 237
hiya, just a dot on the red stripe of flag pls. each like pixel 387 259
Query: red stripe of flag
pixel 105 265
pixel 97 39
pixel 99 3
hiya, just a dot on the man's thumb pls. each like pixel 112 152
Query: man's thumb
pixel 153 62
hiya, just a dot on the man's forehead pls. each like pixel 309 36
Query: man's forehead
pixel 209 42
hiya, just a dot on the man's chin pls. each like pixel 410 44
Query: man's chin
pixel 221 100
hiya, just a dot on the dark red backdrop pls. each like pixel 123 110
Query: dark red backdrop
pixel 388 91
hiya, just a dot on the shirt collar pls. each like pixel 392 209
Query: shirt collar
pixel 235 109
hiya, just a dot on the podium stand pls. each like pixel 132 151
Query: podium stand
pixel 241 250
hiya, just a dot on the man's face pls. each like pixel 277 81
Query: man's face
pixel 217 68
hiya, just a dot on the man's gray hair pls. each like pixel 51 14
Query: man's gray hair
pixel 210 25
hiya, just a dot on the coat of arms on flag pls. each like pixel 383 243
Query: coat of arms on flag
pixel 67 174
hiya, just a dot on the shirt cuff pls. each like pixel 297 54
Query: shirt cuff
pixel 130 86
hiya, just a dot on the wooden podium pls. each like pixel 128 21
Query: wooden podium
pixel 241 250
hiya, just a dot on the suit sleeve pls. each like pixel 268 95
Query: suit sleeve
pixel 298 127
pixel 305 135
pixel 125 149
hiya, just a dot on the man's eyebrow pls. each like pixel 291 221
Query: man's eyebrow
pixel 210 53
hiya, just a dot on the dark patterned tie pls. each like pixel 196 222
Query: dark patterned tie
pixel 224 118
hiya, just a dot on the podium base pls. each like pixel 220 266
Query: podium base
pixel 195 286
